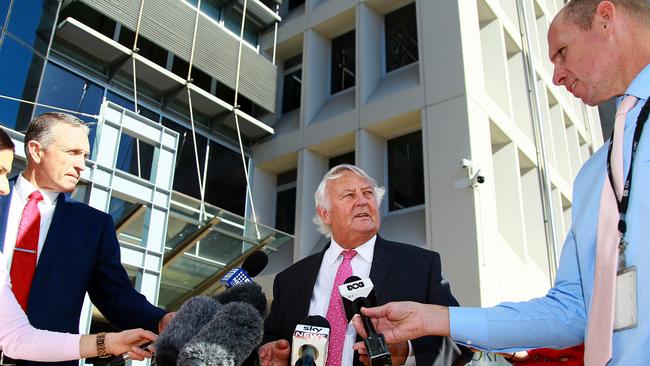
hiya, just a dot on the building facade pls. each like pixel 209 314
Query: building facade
pixel 450 105
pixel 173 91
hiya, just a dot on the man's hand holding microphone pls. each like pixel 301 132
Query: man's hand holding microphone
pixel 401 321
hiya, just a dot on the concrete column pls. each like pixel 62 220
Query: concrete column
pixel 263 183
pixel 370 59
pixel 371 155
pixel 450 206
pixel 315 74
pixel 311 169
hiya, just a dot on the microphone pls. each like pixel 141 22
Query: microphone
pixel 227 340
pixel 250 293
pixel 251 267
pixel 189 319
pixel 309 344
pixel 255 263
pixel 121 360
pixel 358 293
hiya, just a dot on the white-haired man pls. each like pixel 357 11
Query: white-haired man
pixel 347 202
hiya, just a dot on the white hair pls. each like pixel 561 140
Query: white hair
pixel 323 201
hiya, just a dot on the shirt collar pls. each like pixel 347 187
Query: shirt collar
pixel 25 188
pixel 640 86
pixel 364 251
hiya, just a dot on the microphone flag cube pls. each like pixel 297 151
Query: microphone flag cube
pixel 234 277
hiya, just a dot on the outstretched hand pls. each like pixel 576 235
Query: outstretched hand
pixel 128 341
pixel 275 353
pixel 401 321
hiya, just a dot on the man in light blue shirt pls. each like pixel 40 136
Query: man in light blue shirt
pixel 600 49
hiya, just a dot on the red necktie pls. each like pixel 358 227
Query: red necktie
pixel 335 313
pixel 23 264
pixel 600 323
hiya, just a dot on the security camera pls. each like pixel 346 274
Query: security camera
pixel 466 163
pixel 476 179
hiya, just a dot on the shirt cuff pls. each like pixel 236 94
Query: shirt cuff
pixel 410 360
pixel 469 327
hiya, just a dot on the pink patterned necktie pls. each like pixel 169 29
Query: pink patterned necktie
pixel 23 264
pixel 598 343
pixel 335 313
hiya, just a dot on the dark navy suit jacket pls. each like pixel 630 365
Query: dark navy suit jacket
pixel 81 254
pixel 399 272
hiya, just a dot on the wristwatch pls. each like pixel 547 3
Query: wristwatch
pixel 101 345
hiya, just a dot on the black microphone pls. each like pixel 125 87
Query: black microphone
pixel 251 267
pixel 358 293
pixel 309 343
pixel 121 360
pixel 255 263
pixel 227 340
pixel 189 319
pixel 250 293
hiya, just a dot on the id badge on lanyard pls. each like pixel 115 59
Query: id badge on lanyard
pixel 625 300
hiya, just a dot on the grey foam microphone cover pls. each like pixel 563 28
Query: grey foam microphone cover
pixel 227 340
pixel 189 319
pixel 250 293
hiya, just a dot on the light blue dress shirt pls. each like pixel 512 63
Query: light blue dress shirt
pixel 559 319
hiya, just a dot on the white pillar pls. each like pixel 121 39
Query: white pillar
pixel 311 169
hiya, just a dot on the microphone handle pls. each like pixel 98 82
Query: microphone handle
pixel 121 360
pixel 306 360
pixel 367 323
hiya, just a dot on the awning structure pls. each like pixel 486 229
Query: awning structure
pixel 199 251
pixel 153 78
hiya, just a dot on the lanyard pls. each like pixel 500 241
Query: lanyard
pixel 624 201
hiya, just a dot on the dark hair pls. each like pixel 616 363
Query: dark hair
pixel 582 12
pixel 40 128
pixel 5 141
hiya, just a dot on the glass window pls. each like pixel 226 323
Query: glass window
pixel 130 152
pixel 129 220
pixel 405 171
pixel 185 176
pixel 147 49
pixel 225 93
pixel 32 22
pixel 201 79
pixel 232 21
pixel 401 37
pixel 347 158
pixel 343 61
pixel 292 84
pixel 295 3
pixel 4 8
pixel 128 104
pixel 180 67
pixel 226 183
pixel 211 9
pixel 21 72
pixel 90 17
pixel 285 204
pixel 63 89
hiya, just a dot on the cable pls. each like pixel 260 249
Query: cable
pixel 93 116
pixel 236 106
pixel 135 85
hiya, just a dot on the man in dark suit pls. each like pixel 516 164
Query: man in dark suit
pixel 347 202
pixel 78 251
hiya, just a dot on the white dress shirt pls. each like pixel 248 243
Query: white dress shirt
pixel 22 189
pixel 320 298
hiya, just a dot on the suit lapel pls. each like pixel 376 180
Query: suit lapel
pixel 381 262
pixel 306 290
pixel 5 202
pixel 56 237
